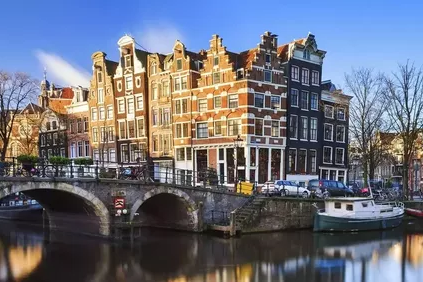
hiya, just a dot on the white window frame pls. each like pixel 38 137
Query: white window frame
pixel 121 101
pixel 304 130
pixel 229 100
pixel 201 103
pixel 100 117
pixel 130 110
pixel 196 129
pixel 313 81
pixel 279 104
pixel 139 106
pixel 317 128
pixel 298 73
pixel 331 155
pixel 317 101
pixel 94 109
pixel 343 155
pixel 298 96
pixel 95 136
pixel 296 132
pixel 305 71
pixel 263 99
pixel 270 75
pixel 315 162
pixel 324 132
pixel 143 126
pixel 332 111
pixel 278 128
pixel 129 82
pixel 100 94
pixel 301 100
pixel 214 128
pixel 108 112
pixel 336 134
pixel 337 113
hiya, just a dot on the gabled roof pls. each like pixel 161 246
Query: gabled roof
pixel 32 108
pixel 67 93
pixel 247 58
pixel 111 67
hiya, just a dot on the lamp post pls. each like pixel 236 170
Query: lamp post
pixel 416 169
pixel 355 163
pixel 237 144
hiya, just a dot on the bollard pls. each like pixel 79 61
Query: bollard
pixel 232 224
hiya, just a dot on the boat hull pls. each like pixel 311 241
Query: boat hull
pixel 325 223
pixel 414 212
pixel 28 213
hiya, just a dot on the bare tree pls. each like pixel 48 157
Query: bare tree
pixel 404 92
pixel 367 111
pixel 16 90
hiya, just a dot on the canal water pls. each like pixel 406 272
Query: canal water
pixel 29 254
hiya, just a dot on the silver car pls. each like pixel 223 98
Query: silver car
pixel 288 188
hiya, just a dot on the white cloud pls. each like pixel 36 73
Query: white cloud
pixel 159 38
pixel 62 72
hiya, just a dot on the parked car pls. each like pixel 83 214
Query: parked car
pixel 332 187
pixel 268 188
pixel 358 188
pixel 288 188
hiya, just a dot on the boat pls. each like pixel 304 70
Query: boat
pixel 357 214
pixel 20 207
pixel 414 212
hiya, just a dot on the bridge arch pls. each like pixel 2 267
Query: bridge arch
pixel 160 202
pixel 46 193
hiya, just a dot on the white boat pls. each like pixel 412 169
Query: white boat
pixel 357 214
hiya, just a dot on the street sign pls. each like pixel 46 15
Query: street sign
pixel 119 203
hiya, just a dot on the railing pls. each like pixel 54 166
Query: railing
pixel 140 172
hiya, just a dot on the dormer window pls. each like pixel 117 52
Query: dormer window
pixel 216 61
pixel 306 54
pixel 128 61
pixel 179 64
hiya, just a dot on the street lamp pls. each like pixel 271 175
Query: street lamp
pixel 237 144
pixel 355 163
pixel 416 169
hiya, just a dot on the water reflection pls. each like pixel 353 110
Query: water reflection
pixel 179 257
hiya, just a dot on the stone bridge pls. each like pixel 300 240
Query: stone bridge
pixel 87 205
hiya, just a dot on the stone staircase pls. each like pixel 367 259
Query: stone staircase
pixel 248 212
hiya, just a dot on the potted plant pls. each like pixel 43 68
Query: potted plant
pixel 58 163
pixel 83 162
pixel 28 161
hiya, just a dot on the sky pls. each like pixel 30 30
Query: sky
pixel 61 35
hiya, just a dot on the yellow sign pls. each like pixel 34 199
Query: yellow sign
pixel 245 188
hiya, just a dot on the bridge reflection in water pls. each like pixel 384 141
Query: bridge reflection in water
pixel 162 256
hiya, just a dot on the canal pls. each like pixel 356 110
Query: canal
pixel 27 253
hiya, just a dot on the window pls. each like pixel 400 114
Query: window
pixel 215 61
pixel 234 127
pixel 304 100
pixel 304 128
pixel 86 124
pixel 184 106
pixel 103 137
pixel 130 105
pixel 155 143
pixel 99 77
pixel 73 150
pixel 140 102
pixel 165 117
pixel 339 157
pixel 79 124
pixel 313 161
pixel 268 58
pixel 306 54
pixel 327 155
pixel 179 64
pixel 341 114
pixel 100 96
pixel 302 157
pixel 275 102
pixel 121 106
pixel 131 128
pixel 112 155
pixel 177 84
pixel 48 125
pixel 122 130
pixel 96 155
pixel 133 150
pixel 340 133
pixel 185 130
pixel 95 134
pixel 216 77
pixel 202 130
pixel 155 90
pixel 337 205
pixel 128 62
pixel 202 105
pixel 328 132
pixel 233 101
pixel 314 101
pixel 184 83
pixel 181 106
pixel 293 126
pixel 275 128
pixel 110 112
pixel 267 76
pixel 43 140
pixel 328 111
pixel 217 102
pixel 295 74
pixel 87 148
pixel 102 114
pixel 313 129
pixel 350 207
pixel 128 83
pixel 80 149
pixel 55 138
pixel 305 79
pixel 292 160
pixel 294 97
pixel 180 154
pixel 124 153
pixel 166 89
pixel 140 127
pixel 93 114
pixel 153 68
pixel 259 100
pixel 54 124
pixel 258 127
pixel 315 78
pixel 218 128
pixel 155 117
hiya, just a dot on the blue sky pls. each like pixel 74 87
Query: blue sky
pixel 62 35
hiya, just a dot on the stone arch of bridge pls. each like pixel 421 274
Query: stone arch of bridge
pixel 46 193
pixel 174 195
